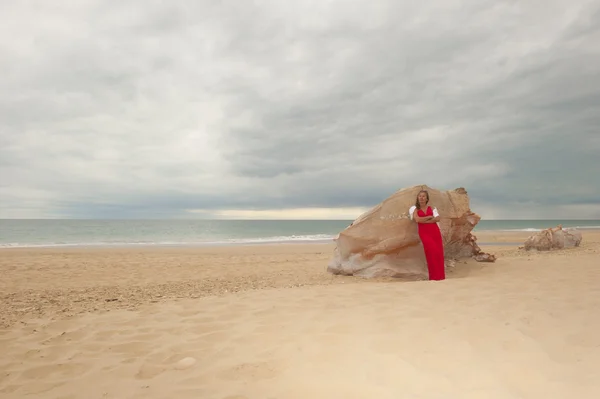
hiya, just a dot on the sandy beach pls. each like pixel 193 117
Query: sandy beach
pixel 268 322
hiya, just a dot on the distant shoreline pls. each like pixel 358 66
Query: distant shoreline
pixel 267 220
pixel 170 245
pixel 484 238
pixel 224 233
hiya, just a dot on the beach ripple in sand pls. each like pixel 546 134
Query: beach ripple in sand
pixel 66 282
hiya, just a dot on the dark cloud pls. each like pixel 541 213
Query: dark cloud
pixel 151 108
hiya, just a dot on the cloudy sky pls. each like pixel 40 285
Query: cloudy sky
pixel 304 109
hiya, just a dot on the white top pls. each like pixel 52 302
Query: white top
pixel 412 209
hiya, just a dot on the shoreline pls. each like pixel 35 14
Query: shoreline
pixel 490 238
pixel 170 245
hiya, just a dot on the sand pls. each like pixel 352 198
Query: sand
pixel 269 322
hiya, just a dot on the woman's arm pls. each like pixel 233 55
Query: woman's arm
pixel 417 218
pixel 424 219
pixel 436 216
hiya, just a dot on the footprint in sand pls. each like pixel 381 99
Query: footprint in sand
pixel 38 388
pixel 148 371
pixel 145 337
pixel 253 371
pixel 185 363
pixel 131 348
pixel 68 370
pixel 65 337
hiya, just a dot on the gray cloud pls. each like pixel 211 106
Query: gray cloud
pixel 149 109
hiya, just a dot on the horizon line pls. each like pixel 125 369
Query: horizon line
pixel 269 219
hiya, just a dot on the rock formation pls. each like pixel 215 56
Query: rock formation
pixel 384 241
pixel 553 238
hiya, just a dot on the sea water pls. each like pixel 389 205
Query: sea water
pixel 33 233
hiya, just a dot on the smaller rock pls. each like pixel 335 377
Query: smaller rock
pixel 185 363
pixel 483 257
pixel 554 238
pixel 450 263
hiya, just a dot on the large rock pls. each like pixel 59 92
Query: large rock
pixel 553 238
pixel 384 241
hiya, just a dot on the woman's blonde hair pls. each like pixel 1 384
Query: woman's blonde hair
pixel 417 201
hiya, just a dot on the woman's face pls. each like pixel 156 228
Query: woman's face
pixel 422 197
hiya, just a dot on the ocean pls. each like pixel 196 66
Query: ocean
pixel 56 233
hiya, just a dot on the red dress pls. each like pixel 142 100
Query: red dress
pixel 431 237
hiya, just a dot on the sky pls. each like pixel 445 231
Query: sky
pixel 304 109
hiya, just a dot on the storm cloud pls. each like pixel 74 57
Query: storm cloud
pixel 156 109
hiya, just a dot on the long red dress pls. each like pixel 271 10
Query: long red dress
pixel 431 237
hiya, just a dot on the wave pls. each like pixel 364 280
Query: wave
pixel 534 229
pixel 525 229
pixel 315 238
pixel 291 239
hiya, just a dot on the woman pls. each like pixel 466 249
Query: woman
pixel 431 237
